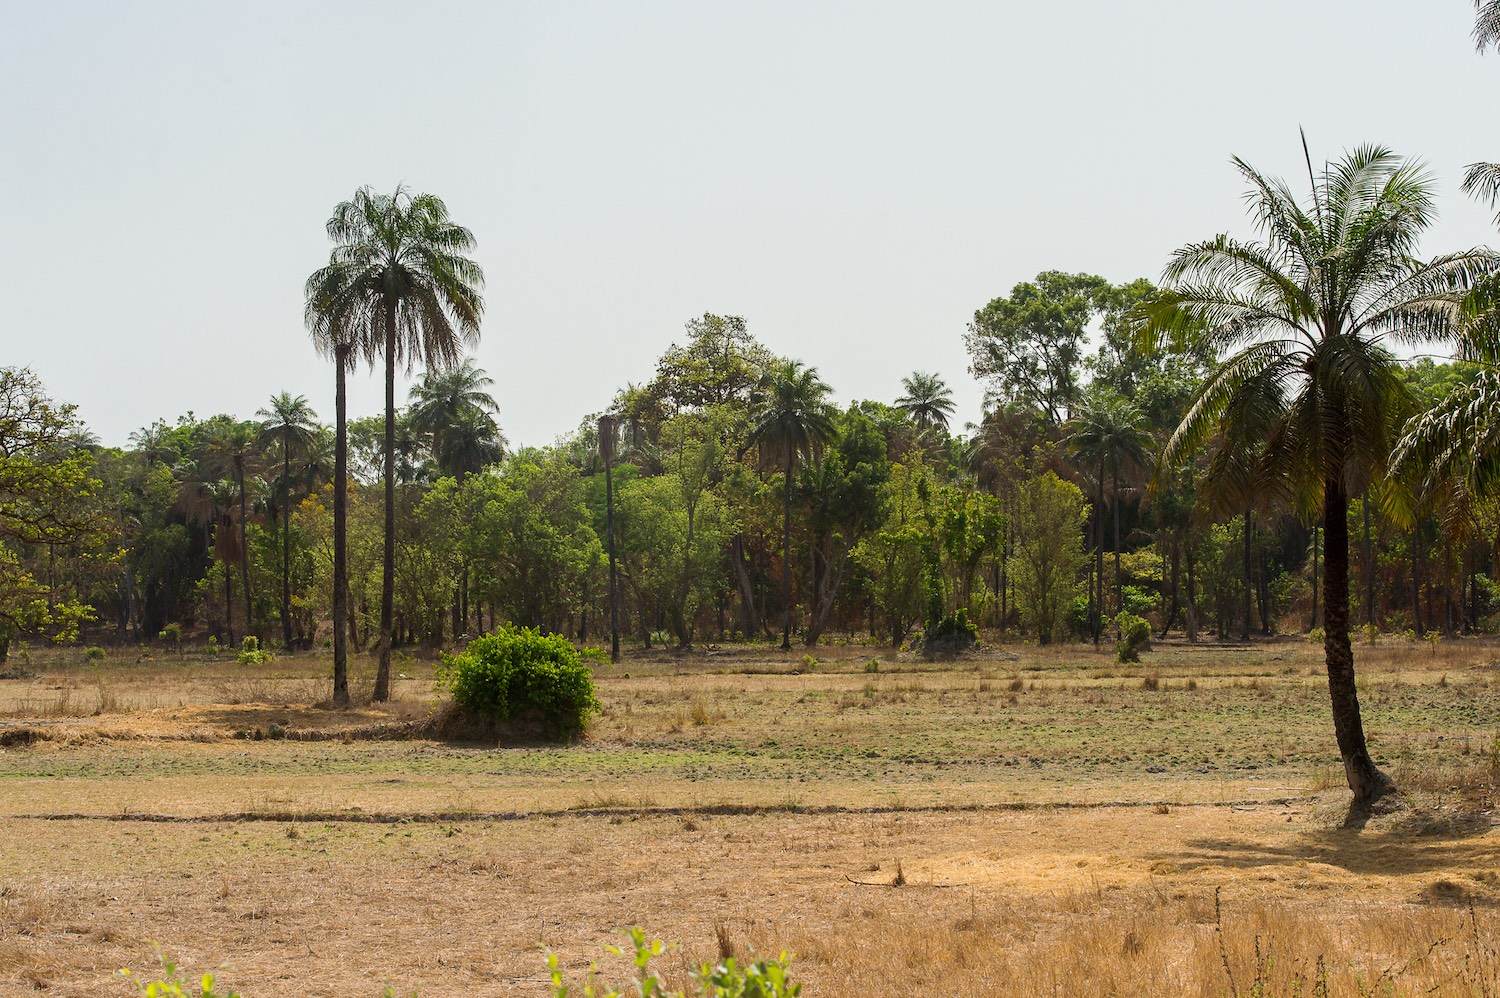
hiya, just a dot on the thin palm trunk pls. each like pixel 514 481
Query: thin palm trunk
pixel 286 548
pixel 1366 781
pixel 1245 623
pixel 388 567
pixel 609 528
pixel 1119 584
pixel 340 534
pixel 244 548
pixel 228 603
pixel 1369 565
pixel 786 562
pixel 1315 579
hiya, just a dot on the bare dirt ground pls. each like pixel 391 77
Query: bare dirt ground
pixel 1020 823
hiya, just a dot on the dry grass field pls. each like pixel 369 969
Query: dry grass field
pixel 1029 821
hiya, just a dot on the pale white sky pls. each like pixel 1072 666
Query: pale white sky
pixel 854 178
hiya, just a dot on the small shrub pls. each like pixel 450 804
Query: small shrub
pixel 1135 637
pixel 1316 636
pixel 726 979
pixel 809 662
pixel 1371 632
pixel 951 636
pixel 873 665
pixel 170 985
pixel 213 646
pixel 171 635
pixel 251 652
pixel 519 674
pixel 93 654
pixel 1409 636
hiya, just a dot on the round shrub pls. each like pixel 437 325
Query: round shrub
pixel 518 674
pixel 1135 637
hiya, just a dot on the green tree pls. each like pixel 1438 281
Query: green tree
pixel 290 425
pixel 1050 514
pixel 49 500
pixel 235 447
pixel 792 420
pixel 457 409
pixel 1029 346
pixel 400 280
pixel 927 400
pixel 1304 316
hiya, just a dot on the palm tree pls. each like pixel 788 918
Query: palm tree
pixel 441 398
pixel 333 337
pixel 1109 433
pixel 235 447
pixel 1304 316
pixel 792 419
pixel 928 401
pixel 400 281
pixel 471 442
pixel 1486 24
pixel 291 426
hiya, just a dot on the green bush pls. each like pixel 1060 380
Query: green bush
pixel 761 979
pixel 94 654
pixel 1317 636
pixel 950 636
pixel 251 652
pixel 1135 637
pixel 171 635
pixel 519 674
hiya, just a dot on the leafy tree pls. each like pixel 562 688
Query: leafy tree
pixel 1050 514
pixel 792 420
pixel 290 425
pixel 235 447
pixel 896 555
pixel 400 281
pixel 455 407
pixel 49 499
pixel 1029 346
pixel 927 400
pixel 1304 317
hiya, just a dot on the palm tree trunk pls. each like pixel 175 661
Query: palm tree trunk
pixel 1369 565
pixel 1416 582
pixel 340 533
pixel 1366 781
pixel 1119 582
pixel 228 604
pixel 286 548
pixel 1192 589
pixel 1314 623
pixel 245 550
pixel 786 562
pixel 388 567
pixel 614 597
pixel 1245 624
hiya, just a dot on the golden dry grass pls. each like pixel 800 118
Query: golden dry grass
pixel 1062 826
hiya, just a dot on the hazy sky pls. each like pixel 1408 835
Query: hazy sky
pixel 855 179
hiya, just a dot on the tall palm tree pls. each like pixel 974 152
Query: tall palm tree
pixel 928 401
pixel 1109 433
pixel 469 443
pixel 402 283
pixel 334 336
pixel 442 397
pixel 234 447
pixel 1486 24
pixel 290 425
pixel 792 420
pixel 1303 316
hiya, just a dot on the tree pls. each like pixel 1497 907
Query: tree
pixel 928 401
pixel 290 425
pixel 1304 315
pixel 1050 514
pixel 457 402
pixel 792 420
pixel 1487 24
pixel 401 282
pixel 1109 433
pixel 330 324
pixel 49 499
pixel 235 447
pixel 1029 346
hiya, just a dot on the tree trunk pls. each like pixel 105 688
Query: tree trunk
pixel 228 604
pixel 1170 616
pixel 1416 582
pixel 388 567
pixel 1366 781
pixel 1192 591
pixel 286 547
pixel 1119 579
pixel 614 596
pixel 825 601
pixel 786 561
pixel 1369 565
pixel 239 467
pixel 1245 623
pixel 340 533
pixel 1314 623
pixel 750 621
